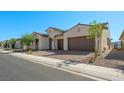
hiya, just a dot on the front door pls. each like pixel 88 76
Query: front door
pixel 60 44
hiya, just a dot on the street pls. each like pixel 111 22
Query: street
pixel 16 69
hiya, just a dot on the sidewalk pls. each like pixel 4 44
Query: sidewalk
pixel 5 51
pixel 97 71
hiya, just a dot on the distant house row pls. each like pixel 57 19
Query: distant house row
pixel 74 38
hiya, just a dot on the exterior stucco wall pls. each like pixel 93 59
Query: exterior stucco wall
pixel 122 38
pixel 52 33
pixel 18 44
pixel 33 44
pixel 104 41
pixel 122 42
pixel 43 42
pixel 77 31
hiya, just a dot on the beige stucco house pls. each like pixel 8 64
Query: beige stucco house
pixel 41 42
pixel 18 44
pixel 76 39
pixel 55 38
pixel 122 40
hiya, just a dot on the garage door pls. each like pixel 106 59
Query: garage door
pixel 81 43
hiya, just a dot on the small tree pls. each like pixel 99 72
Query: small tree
pixel 27 40
pixel 1 43
pixel 95 32
pixel 12 42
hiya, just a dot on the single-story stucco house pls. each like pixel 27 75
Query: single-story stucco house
pixel 18 44
pixel 122 40
pixel 41 42
pixel 55 38
pixel 76 39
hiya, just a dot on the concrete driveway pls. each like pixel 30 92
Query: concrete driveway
pixel 115 59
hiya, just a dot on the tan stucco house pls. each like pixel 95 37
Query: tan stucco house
pixel 41 42
pixel 76 39
pixel 18 44
pixel 122 40
pixel 55 38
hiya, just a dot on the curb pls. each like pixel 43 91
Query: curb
pixel 97 71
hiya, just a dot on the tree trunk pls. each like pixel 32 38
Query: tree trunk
pixel 96 47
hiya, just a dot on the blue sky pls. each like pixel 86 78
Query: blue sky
pixel 15 24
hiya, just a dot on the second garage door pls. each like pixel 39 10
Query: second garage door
pixel 81 43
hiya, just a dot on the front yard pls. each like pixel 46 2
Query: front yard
pixel 64 55
pixel 115 59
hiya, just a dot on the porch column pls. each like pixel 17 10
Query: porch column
pixel 33 44
pixel 65 43
pixel 53 43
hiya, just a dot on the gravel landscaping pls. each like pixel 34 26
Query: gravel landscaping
pixel 115 59
pixel 64 55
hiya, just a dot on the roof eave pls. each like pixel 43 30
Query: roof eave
pixel 56 29
pixel 41 34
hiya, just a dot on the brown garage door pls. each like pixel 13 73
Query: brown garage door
pixel 60 44
pixel 81 43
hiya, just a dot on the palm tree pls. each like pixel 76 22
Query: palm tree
pixel 95 32
pixel 27 40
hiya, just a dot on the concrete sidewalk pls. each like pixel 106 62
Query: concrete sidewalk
pixel 97 71
pixel 5 51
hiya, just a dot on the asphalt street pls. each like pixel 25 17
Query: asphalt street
pixel 16 69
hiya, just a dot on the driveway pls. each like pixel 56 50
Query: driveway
pixel 115 59
pixel 80 56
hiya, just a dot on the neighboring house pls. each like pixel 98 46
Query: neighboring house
pixel 18 44
pixel 76 39
pixel 55 38
pixel 116 45
pixel 41 42
pixel 122 40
